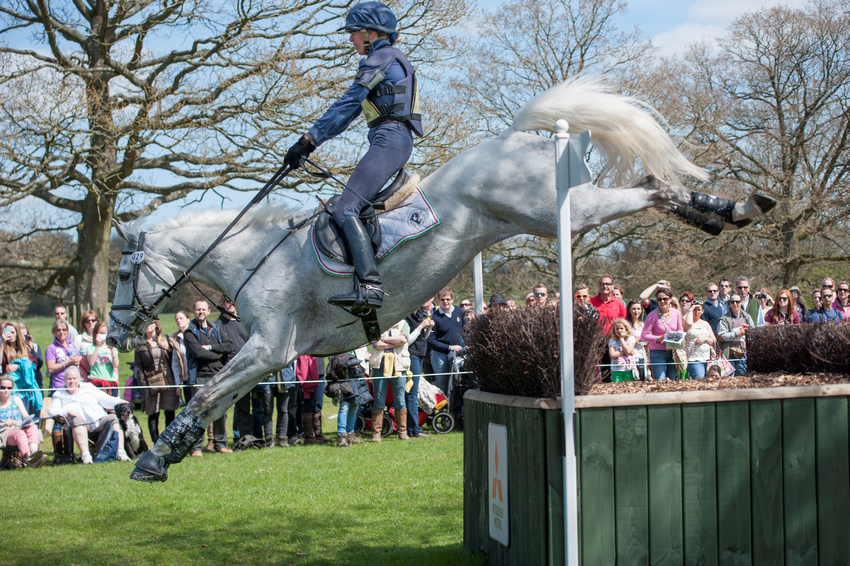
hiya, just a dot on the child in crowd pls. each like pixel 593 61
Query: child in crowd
pixel 621 348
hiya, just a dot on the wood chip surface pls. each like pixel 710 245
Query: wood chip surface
pixel 750 381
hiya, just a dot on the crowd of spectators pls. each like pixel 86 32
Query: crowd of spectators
pixel 659 335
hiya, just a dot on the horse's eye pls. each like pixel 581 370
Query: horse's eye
pixel 124 276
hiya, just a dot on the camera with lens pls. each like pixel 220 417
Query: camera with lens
pixel 27 337
pixel 761 296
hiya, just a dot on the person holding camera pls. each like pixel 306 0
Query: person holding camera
pixel 649 305
pixel 19 365
pixel 35 354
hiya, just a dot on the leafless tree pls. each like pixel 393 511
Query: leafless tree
pixel 772 110
pixel 117 107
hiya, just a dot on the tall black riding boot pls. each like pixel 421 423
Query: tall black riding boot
pixel 368 293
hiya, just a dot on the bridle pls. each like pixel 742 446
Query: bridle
pixel 143 314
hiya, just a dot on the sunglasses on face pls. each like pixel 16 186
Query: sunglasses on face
pixel 465 305
pixel 90 320
pixel 5 388
pixel 783 299
pixel 826 296
pixel 580 296
pixel 724 284
pixel 684 300
pixel 662 299
pixel 711 291
pixel 735 302
pixel 742 287
pixel 603 284
pixel 540 294
pixel 840 290
pixel 827 286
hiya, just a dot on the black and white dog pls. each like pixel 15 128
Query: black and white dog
pixel 134 441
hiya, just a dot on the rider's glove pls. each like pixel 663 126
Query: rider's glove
pixel 301 149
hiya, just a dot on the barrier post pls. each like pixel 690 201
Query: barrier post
pixel 570 170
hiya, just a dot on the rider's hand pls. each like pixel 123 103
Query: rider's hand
pixel 302 148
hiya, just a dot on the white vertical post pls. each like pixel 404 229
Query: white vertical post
pixel 570 170
pixel 478 283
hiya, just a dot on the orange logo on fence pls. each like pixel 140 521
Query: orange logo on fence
pixel 497 483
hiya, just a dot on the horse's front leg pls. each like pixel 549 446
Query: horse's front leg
pixel 255 361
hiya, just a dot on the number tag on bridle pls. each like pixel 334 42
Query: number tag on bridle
pixel 137 257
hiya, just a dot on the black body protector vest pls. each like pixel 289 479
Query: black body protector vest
pixel 387 101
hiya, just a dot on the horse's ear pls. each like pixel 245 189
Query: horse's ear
pixel 123 232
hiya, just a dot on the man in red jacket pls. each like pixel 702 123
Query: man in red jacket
pixel 609 308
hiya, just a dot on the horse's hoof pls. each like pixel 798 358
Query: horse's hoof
pixel 150 468
pixel 764 203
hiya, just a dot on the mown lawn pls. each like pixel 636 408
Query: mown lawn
pixel 389 503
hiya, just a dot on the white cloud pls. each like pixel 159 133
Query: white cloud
pixel 709 20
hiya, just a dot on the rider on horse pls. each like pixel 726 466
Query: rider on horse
pixel 385 91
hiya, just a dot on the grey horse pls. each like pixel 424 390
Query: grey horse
pixel 498 189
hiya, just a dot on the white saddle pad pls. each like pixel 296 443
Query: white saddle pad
pixel 409 220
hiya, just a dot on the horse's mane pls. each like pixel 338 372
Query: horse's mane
pixel 622 128
pixel 263 215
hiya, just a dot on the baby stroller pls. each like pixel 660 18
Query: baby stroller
pixel 438 418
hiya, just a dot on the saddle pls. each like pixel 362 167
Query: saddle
pixel 327 234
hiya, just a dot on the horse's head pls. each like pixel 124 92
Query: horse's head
pixel 140 293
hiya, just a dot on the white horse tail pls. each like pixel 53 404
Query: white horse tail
pixel 622 128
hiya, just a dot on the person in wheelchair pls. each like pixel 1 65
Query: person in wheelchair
pixel 385 91
pixel 13 414
pixel 82 406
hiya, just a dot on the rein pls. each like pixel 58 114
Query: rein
pixel 145 314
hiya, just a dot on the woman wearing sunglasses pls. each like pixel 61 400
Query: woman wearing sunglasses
pixel 86 338
pixel 658 323
pixel 783 311
pixel 12 416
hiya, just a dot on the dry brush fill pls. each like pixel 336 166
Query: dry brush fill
pixel 799 348
pixel 517 352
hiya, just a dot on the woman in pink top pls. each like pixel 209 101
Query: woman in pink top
pixel 657 324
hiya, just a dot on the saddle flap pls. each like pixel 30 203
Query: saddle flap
pixel 328 235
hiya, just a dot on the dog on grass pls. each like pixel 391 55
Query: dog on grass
pixel 134 441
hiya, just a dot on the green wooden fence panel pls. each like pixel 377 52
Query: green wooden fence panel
pixel 554 486
pixel 733 483
pixel 631 486
pixel 664 462
pixel 766 468
pixel 800 492
pixel 699 484
pixel 832 431
pixel 598 503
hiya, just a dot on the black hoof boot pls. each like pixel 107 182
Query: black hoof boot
pixel 708 225
pixel 150 468
pixel 713 205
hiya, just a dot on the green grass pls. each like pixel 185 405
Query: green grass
pixel 389 503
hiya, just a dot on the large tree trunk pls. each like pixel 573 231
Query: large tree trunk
pixel 91 288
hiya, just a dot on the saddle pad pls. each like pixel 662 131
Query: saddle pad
pixel 409 220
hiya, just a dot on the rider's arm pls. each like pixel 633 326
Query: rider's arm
pixel 340 115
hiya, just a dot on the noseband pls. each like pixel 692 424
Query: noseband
pixel 143 315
